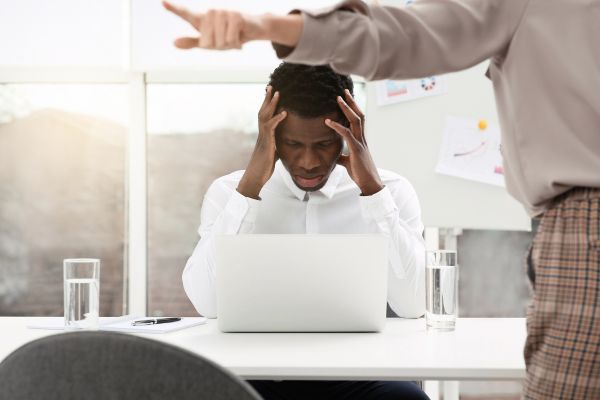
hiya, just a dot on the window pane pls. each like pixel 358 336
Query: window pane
pixel 197 133
pixel 62 154
pixel 153 48
pixel 193 139
pixel 61 32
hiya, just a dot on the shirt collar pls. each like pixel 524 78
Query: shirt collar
pixel 328 190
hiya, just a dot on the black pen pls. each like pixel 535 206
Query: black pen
pixel 154 321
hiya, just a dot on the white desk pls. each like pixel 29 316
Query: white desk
pixel 479 349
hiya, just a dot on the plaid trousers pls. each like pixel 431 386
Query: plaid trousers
pixel 562 352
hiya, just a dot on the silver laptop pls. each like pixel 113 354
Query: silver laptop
pixel 301 283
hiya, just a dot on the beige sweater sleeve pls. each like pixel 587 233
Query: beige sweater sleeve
pixel 427 38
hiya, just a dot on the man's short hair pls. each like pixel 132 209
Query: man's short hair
pixel 310 91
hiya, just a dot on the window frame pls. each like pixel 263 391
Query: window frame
pixel 135 269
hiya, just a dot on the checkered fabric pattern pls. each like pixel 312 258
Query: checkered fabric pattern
pixel 562 352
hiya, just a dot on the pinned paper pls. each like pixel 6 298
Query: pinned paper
pixel 391 92
pixel 471 150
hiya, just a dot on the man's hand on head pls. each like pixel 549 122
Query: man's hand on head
pixel 226 29
pixel 262 163
pixel 358 161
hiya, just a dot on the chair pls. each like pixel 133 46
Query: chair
pixel 114 366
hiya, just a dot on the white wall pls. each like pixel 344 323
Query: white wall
pixel 406 138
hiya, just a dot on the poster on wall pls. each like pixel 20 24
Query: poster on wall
pixel 391 92
pixel 471 150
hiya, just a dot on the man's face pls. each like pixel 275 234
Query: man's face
pixel 308 149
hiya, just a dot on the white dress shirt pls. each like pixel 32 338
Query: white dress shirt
pixel 338 207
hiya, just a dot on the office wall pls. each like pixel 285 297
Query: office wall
pixel 406 138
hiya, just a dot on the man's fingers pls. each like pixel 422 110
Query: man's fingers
pixel 267 98
pixel 193 19
pixel 233 36
pixel 271 125
pixel 276 120
pixel 220 29
pixel 186 42
pixel 269 106
pixel 352 103
pixel 269 109
pixel 347 110
pixel 342 131
pixel 355 122
pixel 207 40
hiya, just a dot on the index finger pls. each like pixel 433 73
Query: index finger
pixel 267 97
pixel 352 103
pixel 355 121
pixel 182 12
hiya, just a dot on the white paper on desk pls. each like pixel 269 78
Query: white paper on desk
pixel 470 153
pixel 125 326
pixel 120 324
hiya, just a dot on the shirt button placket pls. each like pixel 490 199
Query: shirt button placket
pixel 311 214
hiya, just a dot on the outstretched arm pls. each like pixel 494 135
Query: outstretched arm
pixel 427 38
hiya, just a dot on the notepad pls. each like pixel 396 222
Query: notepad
pixel 120 324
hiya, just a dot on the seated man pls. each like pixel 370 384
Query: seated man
pixel 299 181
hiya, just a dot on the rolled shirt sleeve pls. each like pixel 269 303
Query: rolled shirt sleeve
pixel 429 37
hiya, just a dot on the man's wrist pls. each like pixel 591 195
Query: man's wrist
pixel 371 189
pixel 283 29
pixel 249 189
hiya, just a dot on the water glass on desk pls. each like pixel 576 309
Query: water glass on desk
pixel 441 274
pixel 82 293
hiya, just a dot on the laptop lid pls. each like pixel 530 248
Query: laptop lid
pixel 301 283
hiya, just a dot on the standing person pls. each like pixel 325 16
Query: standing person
pixel 298 181
pixel 545 67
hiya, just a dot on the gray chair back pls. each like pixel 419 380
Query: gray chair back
pixel 114 366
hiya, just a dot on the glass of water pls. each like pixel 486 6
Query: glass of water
pixel 82 293
pixel 441 274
